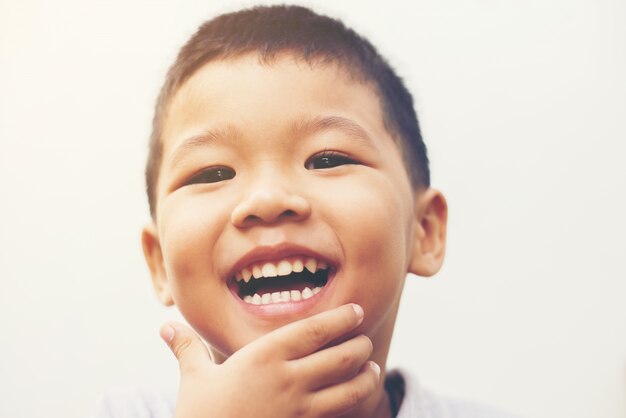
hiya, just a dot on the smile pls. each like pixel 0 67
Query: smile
pixel 291 279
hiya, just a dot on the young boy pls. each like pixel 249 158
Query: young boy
pixel 289 191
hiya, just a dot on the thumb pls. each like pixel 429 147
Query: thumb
pixel 186 346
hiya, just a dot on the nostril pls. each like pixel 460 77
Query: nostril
pixel 289 214
pixel 270 205
pixel 252 219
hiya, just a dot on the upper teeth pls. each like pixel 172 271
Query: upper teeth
pixel 279 268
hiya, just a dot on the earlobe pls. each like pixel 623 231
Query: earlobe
pixel 154 258
pixel 429 246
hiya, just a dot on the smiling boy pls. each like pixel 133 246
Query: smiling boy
pixel 289 190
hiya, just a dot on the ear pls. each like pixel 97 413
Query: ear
pixel 154 257
pixel 429 246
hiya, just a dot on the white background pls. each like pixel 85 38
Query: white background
pixel 523 107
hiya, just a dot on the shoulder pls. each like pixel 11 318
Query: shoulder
pixel 136 402
pixel 421 402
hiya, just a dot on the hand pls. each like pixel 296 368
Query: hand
pixel 286 373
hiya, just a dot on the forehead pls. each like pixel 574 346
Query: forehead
pixel 244 93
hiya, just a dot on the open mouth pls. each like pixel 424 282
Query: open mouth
pixel 288 280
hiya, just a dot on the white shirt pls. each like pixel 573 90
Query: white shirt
pixel 418 402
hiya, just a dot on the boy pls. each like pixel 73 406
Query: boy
pixel 289 191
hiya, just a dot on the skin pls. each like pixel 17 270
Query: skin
pixel 360 213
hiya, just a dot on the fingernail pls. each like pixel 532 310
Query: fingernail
pixel 167 333
pixel 359 311
pixel 375 367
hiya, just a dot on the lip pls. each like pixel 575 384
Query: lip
pixel 271 253
pixel 285 309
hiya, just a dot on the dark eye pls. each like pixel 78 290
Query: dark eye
pixel 212 175
pixel 328 159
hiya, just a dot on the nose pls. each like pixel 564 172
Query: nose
pixel 270 204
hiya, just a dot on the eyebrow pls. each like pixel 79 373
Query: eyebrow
pixel 353 130
pixel 205 139
pixel 301 128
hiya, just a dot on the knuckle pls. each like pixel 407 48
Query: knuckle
pixel 289 379
pixel 255 353
pixel 352 398
pixel 358 393
pixel 307 406
pixel 181 346
pixel 346 360
pixel 317 333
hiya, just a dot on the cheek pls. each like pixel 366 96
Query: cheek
pixel 372 221
pixel 189 233
pixel 373 224
pixel 188 236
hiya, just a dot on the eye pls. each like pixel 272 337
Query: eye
pixel 212 175
pixel 328 159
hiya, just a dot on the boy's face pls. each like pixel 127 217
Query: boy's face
pixel 278 165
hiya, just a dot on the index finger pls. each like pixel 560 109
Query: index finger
pixel 308 335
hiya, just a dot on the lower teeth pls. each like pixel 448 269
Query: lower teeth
pixel 281 297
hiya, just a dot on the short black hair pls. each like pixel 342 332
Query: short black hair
pixel 270 30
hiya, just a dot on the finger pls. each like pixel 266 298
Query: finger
pixel 340 399
pixel 186 346
pixel 308 335
pixel 335 364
